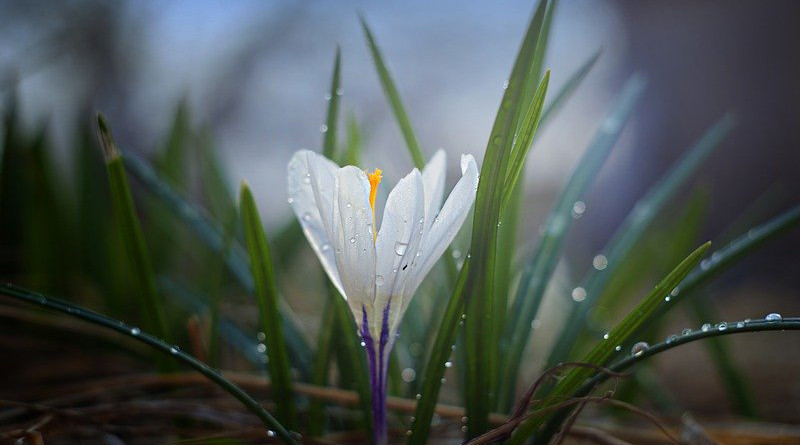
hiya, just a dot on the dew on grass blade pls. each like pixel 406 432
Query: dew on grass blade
pixel 773 317
pixel 639 348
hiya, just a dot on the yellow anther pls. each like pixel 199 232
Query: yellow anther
pixel 374 180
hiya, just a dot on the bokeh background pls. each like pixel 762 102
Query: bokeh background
pixel 256 74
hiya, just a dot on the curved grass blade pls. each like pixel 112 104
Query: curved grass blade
pixel 394 98
pixel 630 232
pixel 332 121
pixel 673 341
pixel 540 267
pixel 354 145
pixel 212 234
pixel 267 293
pixel 154 342
pixel 440 354
pixel 133 237
pixel 640 315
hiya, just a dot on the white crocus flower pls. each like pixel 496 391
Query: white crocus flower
pixel 378 270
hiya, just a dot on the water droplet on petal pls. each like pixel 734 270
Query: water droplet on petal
pixel 773 317
pixel 639 348
pixel 400 248
pixel 325 247
pixel 352 240
pixel 379 280
pixel 290 200
pixel 307 216
pixel 307 178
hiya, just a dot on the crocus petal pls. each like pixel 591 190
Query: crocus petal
pixel 398 243
pixel 433 176
pixel 353 239
pixel 311 187
pixel 449 220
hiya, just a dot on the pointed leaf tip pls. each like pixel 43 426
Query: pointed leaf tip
pixel 110 150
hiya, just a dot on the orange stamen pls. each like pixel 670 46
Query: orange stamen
pixel 374 180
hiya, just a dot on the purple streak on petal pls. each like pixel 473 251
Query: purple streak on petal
pixel 378 372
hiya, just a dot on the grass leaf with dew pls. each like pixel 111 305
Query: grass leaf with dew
pixel 331 123
pixel 212 234
pixel 267 293
pixel 480 352
pixel 168 350
pixel 641 314
pixel 540 267
pixel 434 369
pixel 630 232
pixel 645 352
pixel 394 98
pixel 130 227
pixel 354 143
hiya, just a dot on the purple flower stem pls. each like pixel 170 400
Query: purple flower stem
pixel 377 361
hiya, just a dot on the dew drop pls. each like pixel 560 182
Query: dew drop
pixel 261 347
pixel 579 294
pixel 307 178
pixel 325 247
pixel 675 292
pixel 408 375
pixel 667 298
pixel 706 327
pixel 379 280
pixel 408 433
pixel 671 338
pixel 261 337
pixel 173 350
pixel 618 348
pixel 328 96
pixel 600 262
pixel 773 317
pixel 639 348
pixel 536 324
pixel 306 216
pixel 270 433
pixel 400 248
pixel 349 205
pixel 418 396
pixel 290 200
pixel 605 336
pixel 339 91
pixel 464 429
pixel 578 209
pixel 135 331
pixel 456 254
pixel 740 324
pixel 443 380
pixel 363 344
pixel 505 84
pixel 352 240
pixel 448 364
pixel 686 331
pixel 323 128
pixel 722 326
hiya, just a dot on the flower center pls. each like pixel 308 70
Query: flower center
pixel 374 180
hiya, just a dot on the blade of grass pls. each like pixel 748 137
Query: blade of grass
pixel 322 362
pixel 212 234
pixel 731 328
pixel 641 314
pixel 441 350
pixel 267 293
pixel 353 148
pixel 540 267
pixel 166 349
pixel 392 94
pixel 332 121
pixel 630 232
pixel 131 229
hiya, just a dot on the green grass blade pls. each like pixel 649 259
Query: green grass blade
pixel 166 349
pixel 540 267
pixel 354 145
pixel 267 293
pixel 673 341
pixel 524 137
pixel 332 121
pixel 569 87
pixel 441 350
pixel 392 94
pixel 322 362
pixel 212 234
pixel 641 314
pixel 131 229
pixel 630 232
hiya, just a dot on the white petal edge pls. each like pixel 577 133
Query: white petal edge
pixel 352 238
pixel 449 220
pixel 311 179
pixel 397 245
pixel 433 177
